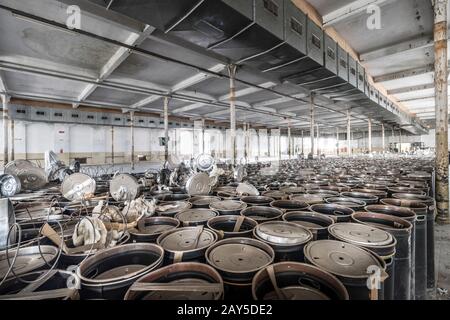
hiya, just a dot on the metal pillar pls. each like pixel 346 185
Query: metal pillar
pixel 12 140
pixel 259 143
pixel 441 103
pixel 370 136
pixel 203 135
pixel 5 102
pixel 279 144
pixel 289 140
pixel 166 129
pixel 112 145
pixel 349 146
pixel 303 144
pixel 318 137
pixel 441 88
pixel 232 74
pixel 383 143
pixel 312 125
pixel 244 128
pixel 400 140
pixel 132 139
pixel 268 142
pixel 337 141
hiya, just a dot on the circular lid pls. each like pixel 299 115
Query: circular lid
pixel 203 200
pixel 238 256
pixel 156 225
pixel 182 295
pixel 282 233
pixel 205 162
pixel 340 258
pixel 360 234
pixel 308 198
pixel 198 184
pixel 9 185
pixel 77 186
pixel 187 239
pixel 298 293
pixel 196 215
pixel 31 178
pixel 228 205
pixel 28 259
pixel 172 207
pixel 124 187
pixel 275 194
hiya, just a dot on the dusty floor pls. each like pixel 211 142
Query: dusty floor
pixel 442 247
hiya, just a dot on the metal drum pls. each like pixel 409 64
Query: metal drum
pixel 277 195
pixel 195 217
pixel 257 200
pixel 351 203
pixel 401 230
pixel 28 259
pixel 315 222
pixel 169 198
pixel 109 273
pixel 308 198
pixel 337 188
pixel 431 203
pixel 337 212
pixel 349 263
pixel 228 207
pixel 232 226
pixel 399 189
pixel 410 216
pixel 186 244
pixel 262 214
pixel 172 208
pixel 378 193
pixel 124 187
pixel 7 220
pixel 369 237
pixel 203 201
pixel 324 193
pixel 293 190
pixel 289 205
pixel 366 197
pixel 40 285
pixel 179 281
pixel 296 281
pixel 149 229
pixel 238 260
pixel 287 239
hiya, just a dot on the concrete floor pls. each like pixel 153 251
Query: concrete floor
pixel 442 247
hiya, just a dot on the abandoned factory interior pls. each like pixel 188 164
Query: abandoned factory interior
pixel 231 150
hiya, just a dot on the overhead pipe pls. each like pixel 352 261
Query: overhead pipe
pixel 441 103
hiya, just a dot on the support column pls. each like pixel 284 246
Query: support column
pixel 400 140
pixel 393 137
pixel 349 143
pixel 312 125
pixel 232 73
pixel 245 131
pixel 303 144
pixel 166 129
pixel 383 142
pixel 318 137
pixel 337 141
pixel 112 145
pixel 132 139
pixel 5 102
pixel 268 142
pixel 370 136
pixel 259 143
pixel 441 87
pixel 12 140
pixel 279 144
pixel 203 136
pixel 289 140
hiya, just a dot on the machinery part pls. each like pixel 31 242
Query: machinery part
pixel 289 205
pixel 109 273
pixel 149 229
pixel 262 214
pixel 204 162
pixel 315 222
pixel 78 186
pixel 349 263
pixel 7 220
pixel 124 187
pixel 287 239
pixel 232 226
pixel 195 217
pixel 179 281
pixel 296 281
pixel 337 212
pixel 198 184
pixel 9 185
pixel 53 286
pixel 228 207
pixel 186 244
pixel 75 166
pixel 31 177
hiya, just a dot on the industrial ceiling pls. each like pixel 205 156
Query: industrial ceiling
pixel 128 57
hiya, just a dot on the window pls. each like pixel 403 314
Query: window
pixel 353 71
pixel 141 121
pixel 296 26
pixel 21 111
pixel 58 114
pixel 104 118
pixel 343 63
pixel 331 54
pixel 316 41
pixel 90 117
pixel 40 113
pixel 271 6
pixel 117 119
pixel 75 115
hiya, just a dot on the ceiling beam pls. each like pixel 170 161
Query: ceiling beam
pixel 404 74
pixel 278 100
pixel 411 89
pixel 352 9
pixel 115 61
